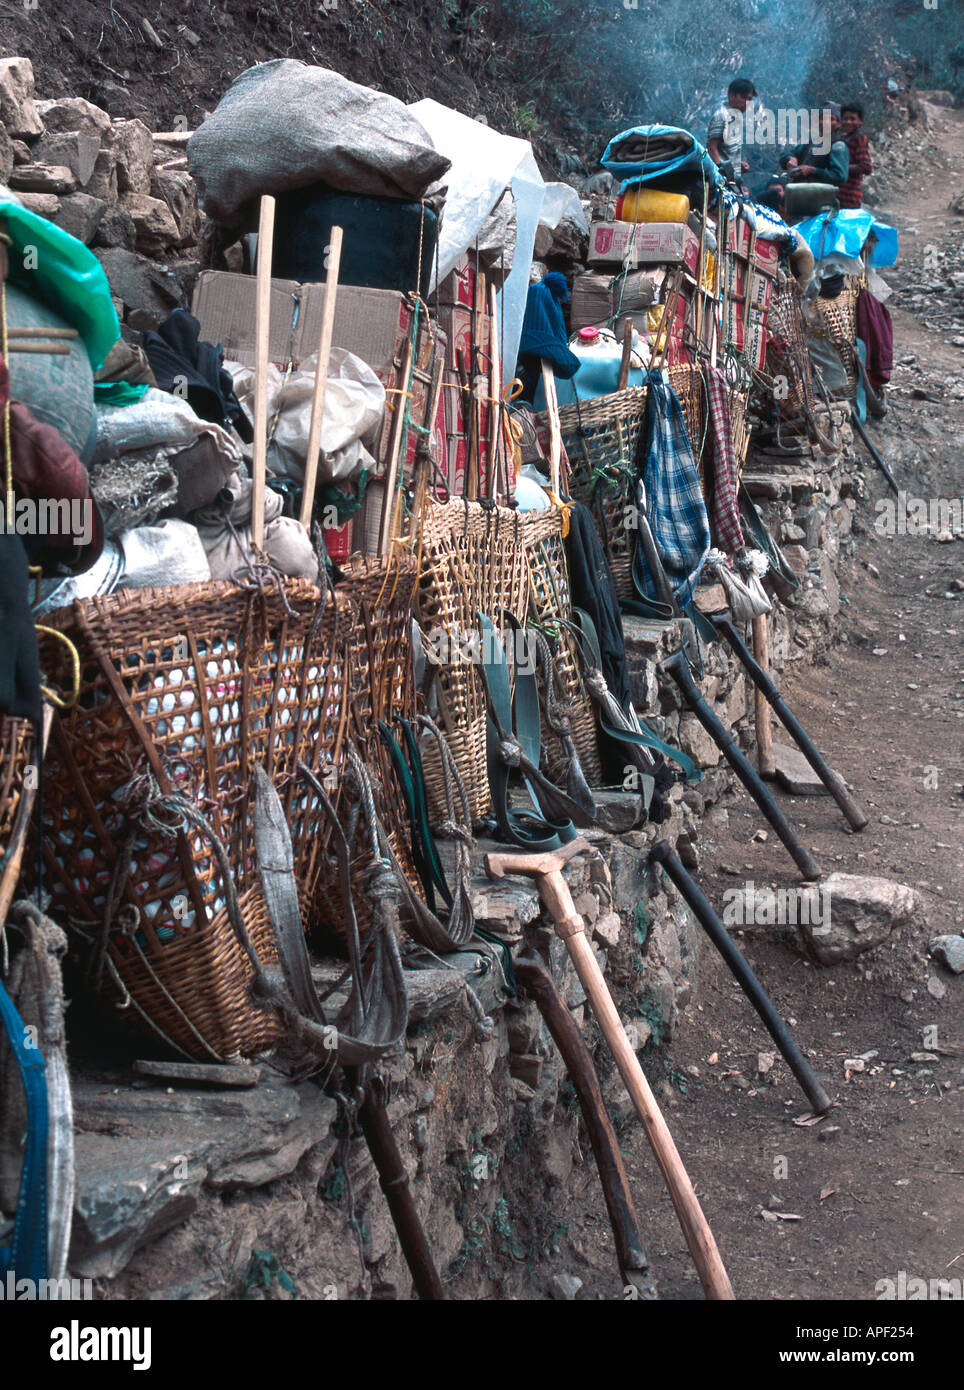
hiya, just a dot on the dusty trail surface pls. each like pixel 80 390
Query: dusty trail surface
pixel 878 1185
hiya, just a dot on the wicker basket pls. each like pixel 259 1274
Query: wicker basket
pixel 382 687
pixel 275 690
pixel 18 742
pixel 550 603
pixel 472 560
pixel 601 437
pixel 839 319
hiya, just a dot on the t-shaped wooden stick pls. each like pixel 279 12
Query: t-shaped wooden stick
pixel 547 869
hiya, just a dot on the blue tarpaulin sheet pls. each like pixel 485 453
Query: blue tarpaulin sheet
pixel 845 233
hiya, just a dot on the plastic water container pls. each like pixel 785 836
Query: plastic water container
pixel 645 204
pixel 602 354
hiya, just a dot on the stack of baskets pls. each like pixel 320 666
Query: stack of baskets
pixel 550 607
pixel 18 742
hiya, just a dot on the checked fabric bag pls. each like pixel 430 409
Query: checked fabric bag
pixel 674 498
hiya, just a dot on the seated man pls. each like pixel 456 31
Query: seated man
pixel 824 159
pixel 724 140
pixel 851 120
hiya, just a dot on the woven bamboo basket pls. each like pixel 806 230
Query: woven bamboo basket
pixel 839 318
pixel 472 560
pixel 550 604
pixel 273 690
pixel 382 686
pixel 18 743
pixel 601 437
pixel 787 354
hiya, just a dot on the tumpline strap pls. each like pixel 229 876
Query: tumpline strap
pixel 26 1255
pixel 517 743
pixel 584 629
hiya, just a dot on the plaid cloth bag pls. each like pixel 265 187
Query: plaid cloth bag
pixel 674 498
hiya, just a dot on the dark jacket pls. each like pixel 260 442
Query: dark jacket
pixel 832 167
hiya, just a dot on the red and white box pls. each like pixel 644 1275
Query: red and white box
pixel 643 243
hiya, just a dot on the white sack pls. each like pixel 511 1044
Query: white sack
pixel 484 164
pixel 354 406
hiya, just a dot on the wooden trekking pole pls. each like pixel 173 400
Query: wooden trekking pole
pixel 554 891
pixel 627 354
pixel 497 452
pixel 555 430
pixel 761 707
pixel 389 500
pixel 259 461
pixel 321 378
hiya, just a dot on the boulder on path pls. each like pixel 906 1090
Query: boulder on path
pixel 80 215
pixel 860 912
pixel 795 774
pixel 133 149
pixel 43 178
pixel 154 226
pixel 76 149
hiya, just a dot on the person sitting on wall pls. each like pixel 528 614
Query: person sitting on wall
pixel 822 159
pixel 851 194
pixel 724 140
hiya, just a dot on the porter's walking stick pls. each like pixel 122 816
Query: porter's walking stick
pixel 321 378
pixel 767 691
pixel 262 329
pixel 761 710
pixel 538 983
pixel 677 667
pixel 554 891
pixel 555 429
pixel 663 853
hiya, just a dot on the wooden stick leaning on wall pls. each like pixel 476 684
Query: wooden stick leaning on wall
pixel 321 378
pixel 761 708
pixel 555 429
pixel 626 358
pixel 498 473
pixel 259 461
pixel 389 499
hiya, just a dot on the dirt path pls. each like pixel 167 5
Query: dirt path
pixel 878 1185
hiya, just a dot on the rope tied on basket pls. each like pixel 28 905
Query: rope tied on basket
pixel 559 717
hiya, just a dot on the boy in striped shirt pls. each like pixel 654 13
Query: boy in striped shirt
pixel 850 194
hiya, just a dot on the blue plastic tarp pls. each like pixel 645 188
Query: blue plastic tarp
pixel 845 232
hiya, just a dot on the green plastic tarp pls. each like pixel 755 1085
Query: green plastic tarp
pixel 57 269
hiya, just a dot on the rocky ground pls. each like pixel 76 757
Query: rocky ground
pixel 826 1210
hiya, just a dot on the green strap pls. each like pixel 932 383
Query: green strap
pixel 645 738
pixel 530 831
pixel 423 866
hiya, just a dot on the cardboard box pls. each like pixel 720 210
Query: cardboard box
pixel 643 243
pixel 736 278
pixel 369 323
pixel 590 301
pixel 458 287
pixel 766 254
pixel 751 341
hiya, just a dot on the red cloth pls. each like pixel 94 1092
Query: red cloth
pixel 727 531
pixel 874 327
pixel 46 467
pixel 850 194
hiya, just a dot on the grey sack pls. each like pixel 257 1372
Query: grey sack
pixel 282 125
